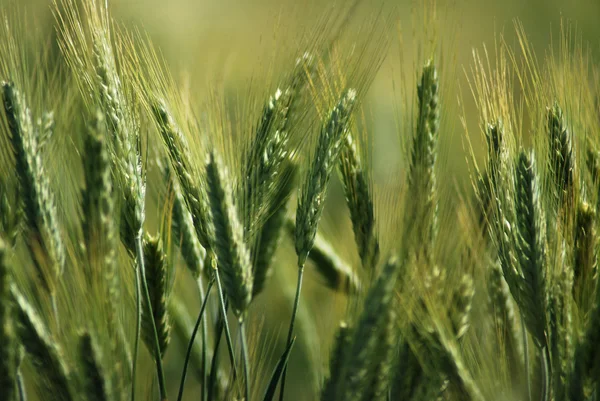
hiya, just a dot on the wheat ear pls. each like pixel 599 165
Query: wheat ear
pixel 359 199
pixel 34 188
pixel 311 199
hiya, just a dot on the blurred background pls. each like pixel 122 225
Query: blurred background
pixel 237 41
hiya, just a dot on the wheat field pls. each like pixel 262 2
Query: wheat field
pixel 287 231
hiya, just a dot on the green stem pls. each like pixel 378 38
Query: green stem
pixel 292 323
pixel 215 360
pixel 157 356
pixel 204 357
pixel 21 386
pixel 526 357
pixel 226 324
pixel 545 355
pixel 138 323
pixel 245 361
pixel 192 339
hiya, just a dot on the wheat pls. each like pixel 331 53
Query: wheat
pixel 37 199
pixel 46 355
pixel 360 202
pixel 97 386
pixel 232 255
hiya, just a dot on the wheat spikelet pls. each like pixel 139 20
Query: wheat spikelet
pixel 266 156
pixel 232 255
pixel 460 306
pixel 98 217
pixel 505 322
pixel 311 199
pixel 367 350
pixel 37 199
pixel 158 289
pixel 585 267
pixel 195 194
pixel 560 157
pixel 421 176
pixel 560 330
pixel 270 233
pixel 530 291
pixel 182 225
pixel 8 344
pixel 96 383
pixel 333 385
pixel 360 202
pixel 46 356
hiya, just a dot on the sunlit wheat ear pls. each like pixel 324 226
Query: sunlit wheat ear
pixel 505 320
pixel 585 267
pixel 96 383
pixel 560 325
pixel 39 211
pixel 266 155
pixel 272 229
pixel 98 225
pixel 332 389
pixel 530 288
pixel 460 307
pixel 560 156
pixel 53 374
pixel 158 288
pixel 192 188
pixel 233 257
pixel 8 343
pixel 125 137
pixel 359 199
pixel 182 224
pixel 369 360
pixel 336 272
pixel 325 157
pixel 421 220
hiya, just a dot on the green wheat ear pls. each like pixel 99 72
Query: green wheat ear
pixel 182 225
pixel 586 258
pixel 310 201
pixel 96 383
pixel 422 220
pixel 157 277
pixel 233 257
pixel 530 288
pixel 560 157
pixel 44 352
pixel 368 364
pixel 263 253
pixel 359 199
pixel 37 199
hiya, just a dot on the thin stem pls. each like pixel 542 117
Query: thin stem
pixel 226 324
pixel 292 322
pixel 192 339
pixel 215 359
pixel 245 360
pixel 204 357
pixel 21 386
pixel 157 357
pixel 545 355
pixel 138 323
pixel 526 357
